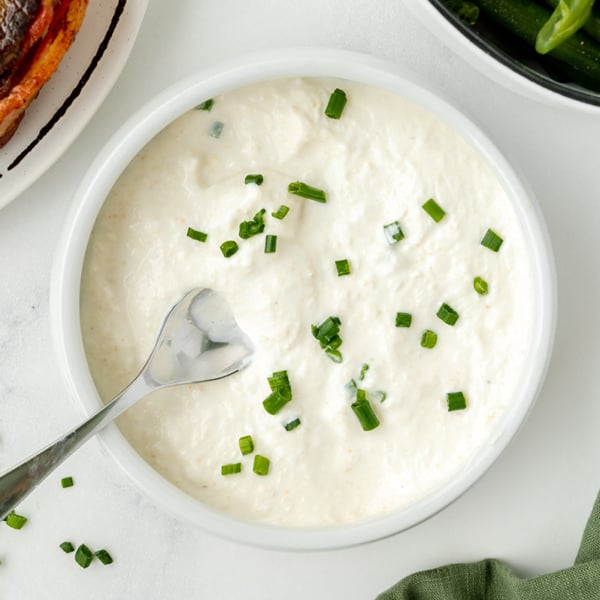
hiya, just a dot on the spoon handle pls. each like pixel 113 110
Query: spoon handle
pixel 20 481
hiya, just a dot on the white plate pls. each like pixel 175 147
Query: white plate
pixel 72 96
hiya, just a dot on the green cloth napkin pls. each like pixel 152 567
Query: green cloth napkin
pixel 490 579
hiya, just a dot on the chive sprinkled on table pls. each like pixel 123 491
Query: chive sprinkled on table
pixel 403 319
pixel 67 482
pixel 251 228
pixel 270 244
pixel 393 232
pixel 15 520
pixel 292 424
pixel 103 556
pixel 429 339
pixel 336 104
pixel 342 267
pixel 481 286
pixel 298 188
pixel 261 464
pixel 327 333
pixel 246 444
pixel 229 248
pixel 257 179
pixel 492 240
pixel 447 314
pixel 456 401
pixel 194 234
pixel 206 105
pixel 231 468
pixel 216 129
pixel 434 210
pixel 83 556
pixel 364 411
pixel 281 392
pixel 67 547
pixel 280 212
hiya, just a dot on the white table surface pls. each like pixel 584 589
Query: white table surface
pixel 529 509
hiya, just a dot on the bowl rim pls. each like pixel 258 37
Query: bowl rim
pixel 493 64
pixel 117 153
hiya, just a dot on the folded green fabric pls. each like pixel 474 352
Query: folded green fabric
pixel 492 580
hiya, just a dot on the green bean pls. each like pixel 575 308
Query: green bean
pixel 567 18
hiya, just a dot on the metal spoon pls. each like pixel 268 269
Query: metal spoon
pixel 199 341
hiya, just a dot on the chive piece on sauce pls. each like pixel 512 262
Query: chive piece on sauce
pixel 83 556
pixel 194 234
pixel 381 395
pixel 257 179
pixel 492 240
pixel 336 104
pixel 363 372
pixel 298 188
pixel 229 248
pixel 434 210
pixel 292 425
pixel 67 482
pixel 456 401
pixel 270 244
pixel 248 229
pixel 447 314
pixel 281 392
pixel 246 444
pixel 364 411
pixel 67 547
pixel 429 339
pixel 206 105
pixel 393 232
pixel 231 468
pixel 281 212
pixel 15 521
pixel 403 319
pixel 261 465
pixel 327 333
pixel 342 267
pixel 104 557
pixel 481 286
pixel 216 129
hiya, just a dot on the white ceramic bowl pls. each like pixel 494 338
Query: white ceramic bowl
pixel 109 165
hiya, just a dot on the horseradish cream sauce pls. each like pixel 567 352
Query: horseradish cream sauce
pixel 378 164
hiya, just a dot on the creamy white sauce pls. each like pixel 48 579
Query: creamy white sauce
pixel 378 164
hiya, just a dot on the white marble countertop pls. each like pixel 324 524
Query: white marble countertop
pixel 529 509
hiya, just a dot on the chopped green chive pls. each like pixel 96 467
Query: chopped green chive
pixel 447 314
pixel 206 105
pixel 14 520
pixel 67 547
pixel 381 395
pixel 363 372
pixel 342 267
pixel 194 234
pixel 281 212
pixel 66 482
pixel 403 319
pixel 292 425
pixel 352 387
pixel 257 179
pixel 83 556
pixel 328 335
pixel 229 248
pixel 231 468
pixel 281 392
pixel 246 444
pixel 270 244
pixel 393 232
pixel 456 401
pixel 307 191
pixel 216 129
pixel 492 240
pixel 481 286
pixel 429 339
pixel 364 411
pixel 261 464
pixel 104 557
pixel 434 210
pixel 336 104
pixel 249 229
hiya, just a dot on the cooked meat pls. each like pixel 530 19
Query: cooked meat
pixel 34 43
